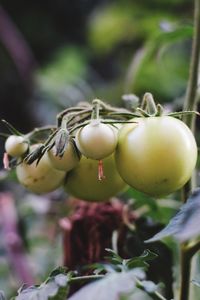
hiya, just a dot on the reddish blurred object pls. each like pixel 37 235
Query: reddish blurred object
pixel 13 243
pixel 88 231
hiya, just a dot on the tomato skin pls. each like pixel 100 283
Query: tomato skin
pixel 156 155
pixel 82 182
pixel 16 145
pixel 41 178
pixel 96 140
pixel 67 162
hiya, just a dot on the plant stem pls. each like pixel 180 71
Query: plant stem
pixel 191 96
pixel 185 273
pixel 192 250
pixel 190 104
pixel 154 295
pixel 89 277
pixel 95 109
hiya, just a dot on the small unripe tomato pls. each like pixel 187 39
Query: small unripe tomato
pixel 96 140
pixel 156 155
pixel 41 178
pixel 82 182
pixel 67 162
pixel 16 145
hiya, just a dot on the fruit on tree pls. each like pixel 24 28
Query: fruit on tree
pixel 39 178
pixel 96 140
pixel 67 162
pixel 82 182
pixel 156 155
pixel 16 145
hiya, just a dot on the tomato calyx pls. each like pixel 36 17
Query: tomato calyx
pixel 149 108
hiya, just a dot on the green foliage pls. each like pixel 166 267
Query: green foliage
pixel 160 210
pixel 184 225
pixel 66 65
pixel 115 286
pixel 121 22
pixel 128 280
pixel 55 287
pixel 135 262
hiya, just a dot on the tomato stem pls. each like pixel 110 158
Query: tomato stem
pixel 95 109
pixel 148 104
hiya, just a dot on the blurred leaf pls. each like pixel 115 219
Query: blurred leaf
pixel 118 22
pixel 2 295
pixel 141 261
pixel 112 286
pixel 67 64
pixel 162 58
pixel 124 286
pixel 114 257
pixel 159 210
pixel 142 199
pixel 185 224
pixel 196 282
pixel 55 288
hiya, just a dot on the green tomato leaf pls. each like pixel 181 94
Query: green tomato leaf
pixel 112 286
pixel 128 285
pixel 54 288
pixel 113 257
pixel 140 261
pixel 185 224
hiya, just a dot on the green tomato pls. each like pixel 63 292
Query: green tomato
pixel 156 155
pixel 16 145
pixel 41 178
pixel 96 140
pixel 82 182
pixel 67 162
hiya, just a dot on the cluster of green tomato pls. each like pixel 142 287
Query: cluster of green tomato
pixel 153 154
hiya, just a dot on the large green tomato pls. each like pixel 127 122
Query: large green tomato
pixel 41 178
pixel 82 182
pixel 156 155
